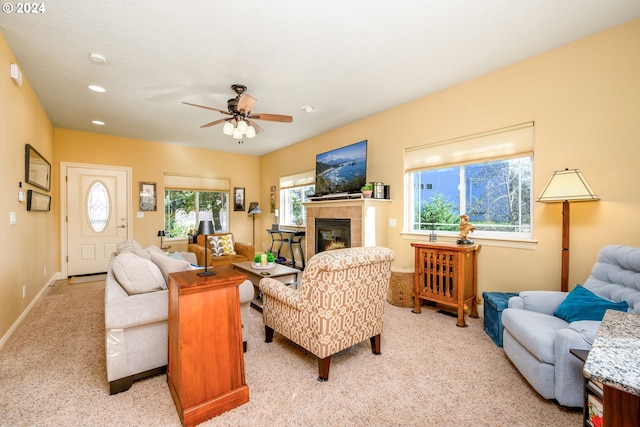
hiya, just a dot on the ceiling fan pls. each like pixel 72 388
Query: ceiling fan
pixel 241 121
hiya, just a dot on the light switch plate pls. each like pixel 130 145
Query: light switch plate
pixel 12 218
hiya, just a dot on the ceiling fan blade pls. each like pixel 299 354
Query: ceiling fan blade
pixel 246 103
pixel 216 122
pixel 272 117
pixel 255 126
pixel 208 108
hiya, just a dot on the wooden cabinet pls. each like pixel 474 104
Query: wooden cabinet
pixel 446 274
pixel 205 369
pixel 617 408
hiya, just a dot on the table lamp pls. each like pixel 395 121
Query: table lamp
pixel 161 235
pixel 205 227
pixel 566 186
pixel 254 209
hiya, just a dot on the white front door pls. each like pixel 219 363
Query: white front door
pixel 97 216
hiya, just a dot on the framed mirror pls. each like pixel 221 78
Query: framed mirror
pixel 37 169
pixel 38 201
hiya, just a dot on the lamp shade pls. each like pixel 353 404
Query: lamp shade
pixel 161 233
pixel 254 208
pixel 567 185
pixel 206 227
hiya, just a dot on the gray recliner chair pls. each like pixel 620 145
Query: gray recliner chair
pixel 538 343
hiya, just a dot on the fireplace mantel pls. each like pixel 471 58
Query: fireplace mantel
pixel 369 220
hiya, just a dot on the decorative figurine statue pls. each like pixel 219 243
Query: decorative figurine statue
pixel 465 228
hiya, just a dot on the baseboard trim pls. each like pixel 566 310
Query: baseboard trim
pixel 27 310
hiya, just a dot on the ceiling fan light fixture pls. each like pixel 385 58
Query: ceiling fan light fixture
pixel 228 128
pixel 237 133
pixel 242 125
pixel 251 132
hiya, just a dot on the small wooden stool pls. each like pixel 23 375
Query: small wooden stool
pixel 401 287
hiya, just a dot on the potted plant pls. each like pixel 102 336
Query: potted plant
pixel 367 190
pixel 265 260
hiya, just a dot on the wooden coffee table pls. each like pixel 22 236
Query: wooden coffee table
pixel 282 273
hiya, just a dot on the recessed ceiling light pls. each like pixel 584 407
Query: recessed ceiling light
pixel 97 58
pixel 97 88
pixel 308 108
pixel 97 122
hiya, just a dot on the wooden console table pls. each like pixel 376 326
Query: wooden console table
pixel 205 370
pixel 613 362
pixel 446 274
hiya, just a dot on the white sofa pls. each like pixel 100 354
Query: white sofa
pixel 538 342
pixel 136 307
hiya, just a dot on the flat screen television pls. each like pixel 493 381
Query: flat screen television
pixel 343 170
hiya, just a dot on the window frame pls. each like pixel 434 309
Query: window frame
pixel 501 144
pixel 305 181
pixel 198 212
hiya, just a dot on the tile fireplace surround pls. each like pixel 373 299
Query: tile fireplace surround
pixel 369 220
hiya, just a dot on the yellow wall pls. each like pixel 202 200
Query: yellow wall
pixel 31 245
pixel 149 162
pixel 584 99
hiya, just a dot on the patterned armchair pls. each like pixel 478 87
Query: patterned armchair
pixel 339 303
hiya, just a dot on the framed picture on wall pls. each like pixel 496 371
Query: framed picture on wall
pixel 37 169
pixel 273 202
pixel 38 201
pixel 147 196
pixel 238 198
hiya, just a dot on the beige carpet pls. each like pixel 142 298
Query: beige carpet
pixel 52 373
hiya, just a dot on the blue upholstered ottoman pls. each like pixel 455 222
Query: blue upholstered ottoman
pixel 494 303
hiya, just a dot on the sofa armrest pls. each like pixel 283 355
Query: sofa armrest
pixel 190 257
pixel 198 250
pixel 546 302
pixel 247 251
pixel 280 292
pixel 136 310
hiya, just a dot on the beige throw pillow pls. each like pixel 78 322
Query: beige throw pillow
pixel 132 246
pixel 137 275
pixel 167 265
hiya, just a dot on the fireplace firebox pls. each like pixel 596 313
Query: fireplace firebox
pixel 332 233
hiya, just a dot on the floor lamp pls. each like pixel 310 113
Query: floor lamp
pixel 254 209
pixel 566 186
pixel 206 227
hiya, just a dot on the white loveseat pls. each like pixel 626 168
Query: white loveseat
pixel 136 307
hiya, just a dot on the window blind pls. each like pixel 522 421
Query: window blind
pixel 298 179
pixel 500 143
pixel 186 182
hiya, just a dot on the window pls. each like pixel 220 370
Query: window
pixel 295 190
pixel 188 198
pixel 487 177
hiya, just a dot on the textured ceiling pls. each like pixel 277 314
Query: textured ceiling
pixel 348 59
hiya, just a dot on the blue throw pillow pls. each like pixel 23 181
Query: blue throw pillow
pixel 582 304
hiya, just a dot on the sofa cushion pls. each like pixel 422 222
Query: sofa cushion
pixel 216 243
pixel 132 246
pixel 582 304
pixel 167 264
pixel 137 275
pixel 534 331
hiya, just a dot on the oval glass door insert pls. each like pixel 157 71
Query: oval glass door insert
pixel 98 207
